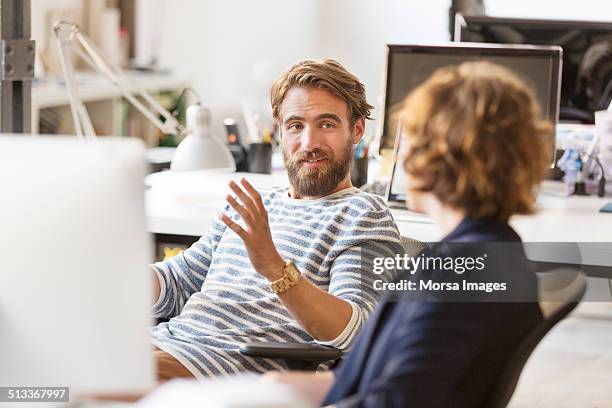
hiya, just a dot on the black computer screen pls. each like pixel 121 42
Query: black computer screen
pixel 409 66
pixel 586 84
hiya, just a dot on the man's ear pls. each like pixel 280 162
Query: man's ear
pixel 358 130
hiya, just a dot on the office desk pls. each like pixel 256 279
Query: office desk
pixel 184 204
pixel 558 219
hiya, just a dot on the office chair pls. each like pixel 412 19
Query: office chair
pixel 559 292
pixel 308 356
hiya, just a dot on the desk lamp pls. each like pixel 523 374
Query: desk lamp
pixel 199 150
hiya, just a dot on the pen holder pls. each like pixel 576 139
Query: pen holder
pixel 359 172
pixel 260 158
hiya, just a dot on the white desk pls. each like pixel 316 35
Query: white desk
pixel 185 203
pixel 558 219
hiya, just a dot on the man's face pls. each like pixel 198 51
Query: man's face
pixel 317 140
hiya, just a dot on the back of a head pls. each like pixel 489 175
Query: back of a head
pixel 476 140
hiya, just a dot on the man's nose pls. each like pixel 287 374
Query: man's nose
pixel 310 139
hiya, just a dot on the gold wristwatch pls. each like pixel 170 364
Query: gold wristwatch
pixel 290 278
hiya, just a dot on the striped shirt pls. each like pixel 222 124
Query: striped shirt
pixel 217 301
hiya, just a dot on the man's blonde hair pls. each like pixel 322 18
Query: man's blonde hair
pixel 328 75
pixel 476 140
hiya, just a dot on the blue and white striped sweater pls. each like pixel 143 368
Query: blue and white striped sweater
pixel 217 301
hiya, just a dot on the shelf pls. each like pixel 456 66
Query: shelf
pixel 50 93
pixel 104 102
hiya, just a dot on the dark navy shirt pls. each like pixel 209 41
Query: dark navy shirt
pixel 439 354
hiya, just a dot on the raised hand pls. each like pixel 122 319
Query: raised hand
pixel 256 236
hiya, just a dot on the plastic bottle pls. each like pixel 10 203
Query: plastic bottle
pixel 571 164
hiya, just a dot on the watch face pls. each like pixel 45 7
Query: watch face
pixel 290 278
pixel 293 272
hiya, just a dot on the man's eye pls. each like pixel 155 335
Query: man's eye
pixel 328 125
pixel 295 126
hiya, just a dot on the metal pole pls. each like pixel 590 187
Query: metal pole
pixel 17 54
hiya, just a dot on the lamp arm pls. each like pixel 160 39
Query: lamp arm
pixel 77 108
pixel 93 56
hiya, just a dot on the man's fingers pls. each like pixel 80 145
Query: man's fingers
pixel 244 198
pixel 246 215
pixel 255 196
pixel 233 226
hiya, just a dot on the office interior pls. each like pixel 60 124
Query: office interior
pixel 213 62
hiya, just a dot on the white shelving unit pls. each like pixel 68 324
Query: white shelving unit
pixel 104 103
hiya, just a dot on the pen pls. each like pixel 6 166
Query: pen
pixel 267 138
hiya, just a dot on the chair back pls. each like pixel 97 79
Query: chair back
pixel 413 247
pixel 559 292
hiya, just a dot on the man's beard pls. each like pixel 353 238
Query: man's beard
pixel 320 181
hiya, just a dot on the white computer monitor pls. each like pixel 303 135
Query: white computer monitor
pixel 75 290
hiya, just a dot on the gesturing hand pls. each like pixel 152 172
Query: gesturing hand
pixel 257 236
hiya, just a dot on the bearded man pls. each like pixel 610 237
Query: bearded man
pixel 289 265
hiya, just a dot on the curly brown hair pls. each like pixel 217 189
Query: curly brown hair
pixel 477 140
pixel 328 75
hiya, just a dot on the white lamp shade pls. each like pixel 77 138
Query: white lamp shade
pixel 200 150
pixel 202 153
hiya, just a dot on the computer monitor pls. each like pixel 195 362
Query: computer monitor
pixel 75 288
pixel 410 65
pixel 586 85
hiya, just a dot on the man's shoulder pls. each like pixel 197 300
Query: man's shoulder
pixel 367 202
